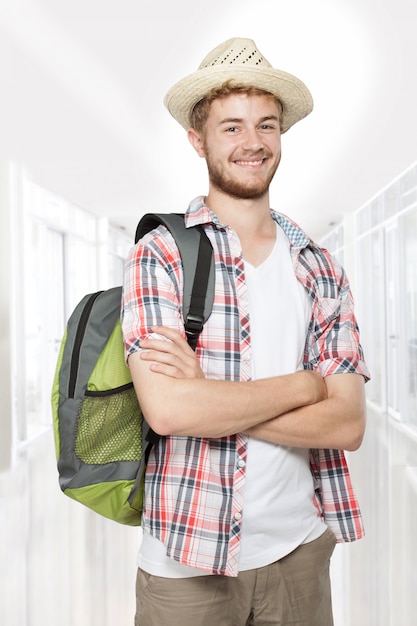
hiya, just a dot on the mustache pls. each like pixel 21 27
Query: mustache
pixel 260 153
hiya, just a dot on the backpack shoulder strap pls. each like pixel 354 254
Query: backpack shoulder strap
pixel 198 266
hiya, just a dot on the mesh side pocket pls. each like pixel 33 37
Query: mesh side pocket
pixel 109 427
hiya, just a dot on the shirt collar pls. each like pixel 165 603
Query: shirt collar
pixel 199 213
pixel 296 236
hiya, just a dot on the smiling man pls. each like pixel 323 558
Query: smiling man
pixel 248 490
pixel 244 127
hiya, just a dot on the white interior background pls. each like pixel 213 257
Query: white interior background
pixel 86 147
pixel 82 85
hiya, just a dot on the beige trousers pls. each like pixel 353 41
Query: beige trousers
pixel 293 591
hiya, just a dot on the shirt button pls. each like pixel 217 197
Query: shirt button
pixel 241 463
pixel 238 516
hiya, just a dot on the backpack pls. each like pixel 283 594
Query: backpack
pixel 102 440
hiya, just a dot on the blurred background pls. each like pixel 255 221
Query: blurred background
pixel 87 147
pixel 82 85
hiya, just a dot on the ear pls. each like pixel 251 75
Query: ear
pixel 196 141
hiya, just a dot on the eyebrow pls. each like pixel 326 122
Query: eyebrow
pixel 237 120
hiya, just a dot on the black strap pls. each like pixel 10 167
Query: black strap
pixel 194 321
pixel 198 265
pixel 202 291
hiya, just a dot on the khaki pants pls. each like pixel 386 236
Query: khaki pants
pixel 293 591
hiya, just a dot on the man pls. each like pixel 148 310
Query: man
pixel 248 489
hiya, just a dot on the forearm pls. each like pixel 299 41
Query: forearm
pixel 213 408
pixel 337 422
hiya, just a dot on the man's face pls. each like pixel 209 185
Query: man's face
pixel 242 144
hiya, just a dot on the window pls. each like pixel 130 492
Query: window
pixel 370 289
pixel 43 305
pixel 409 293
pixel 334 242
pixel 386 231
pixel 393 293
pixel 119 245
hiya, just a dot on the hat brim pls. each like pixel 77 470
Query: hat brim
pixel 296 99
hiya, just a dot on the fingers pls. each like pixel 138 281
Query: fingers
pixel 171 364
pixel 170 370
pixel 172 358
pixel 173 335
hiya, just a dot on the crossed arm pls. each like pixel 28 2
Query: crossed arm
pixel 300 409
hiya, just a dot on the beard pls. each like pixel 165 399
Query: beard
pixel 251 189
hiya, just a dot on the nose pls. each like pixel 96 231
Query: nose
pixel 252 140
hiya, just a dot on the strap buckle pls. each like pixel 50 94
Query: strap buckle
pixel 194 324
pixel 193 327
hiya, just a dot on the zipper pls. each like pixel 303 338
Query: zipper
pixel 109 392
pixel 79 336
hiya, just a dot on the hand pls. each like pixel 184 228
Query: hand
pixel 172 358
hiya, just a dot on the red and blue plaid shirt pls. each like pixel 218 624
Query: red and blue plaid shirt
pixel 194 487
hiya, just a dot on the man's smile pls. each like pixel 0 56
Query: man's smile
pixel 250 163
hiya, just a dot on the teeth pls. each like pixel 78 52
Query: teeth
pixel 250 162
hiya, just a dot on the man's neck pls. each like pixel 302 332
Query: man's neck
pixel 243 215
pixel 250 219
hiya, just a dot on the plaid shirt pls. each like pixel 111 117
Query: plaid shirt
pixel 194 486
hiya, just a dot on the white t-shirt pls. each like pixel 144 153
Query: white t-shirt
pixel 278 513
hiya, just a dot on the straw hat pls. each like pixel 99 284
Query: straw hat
pixel 240 60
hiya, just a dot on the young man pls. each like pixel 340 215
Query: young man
pixel 248 490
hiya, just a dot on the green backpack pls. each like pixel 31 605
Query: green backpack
pixel 102 440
